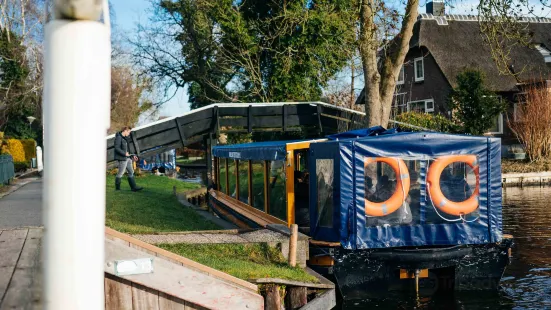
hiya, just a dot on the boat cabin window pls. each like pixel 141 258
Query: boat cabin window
pixel 232 172
pixel 223 186
pixel 258 184
pixel 243 174
pixel 325 177
pixel 278 201
pixel 457 183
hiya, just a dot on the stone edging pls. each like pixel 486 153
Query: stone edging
pixel 526 179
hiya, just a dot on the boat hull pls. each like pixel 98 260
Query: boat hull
pixel 372 273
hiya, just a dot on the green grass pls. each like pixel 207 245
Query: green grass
pixel 154 209
pixel 244 261
pixel 183 161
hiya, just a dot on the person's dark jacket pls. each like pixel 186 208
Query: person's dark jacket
pixel 121 147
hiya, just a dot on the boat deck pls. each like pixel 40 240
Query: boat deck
pixel 20 268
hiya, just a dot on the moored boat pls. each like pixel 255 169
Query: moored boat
pixel 385 210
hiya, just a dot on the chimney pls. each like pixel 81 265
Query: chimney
pixel 436 8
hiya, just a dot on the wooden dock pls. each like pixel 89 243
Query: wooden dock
pixel 20 268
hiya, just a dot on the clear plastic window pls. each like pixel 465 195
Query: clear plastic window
pixel 244 181
pixel 278 194
pixel 325 178
pixel 451 200
pixel 231 177
pixel 223 174
pixel 258 184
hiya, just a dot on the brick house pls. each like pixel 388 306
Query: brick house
pixel 444 45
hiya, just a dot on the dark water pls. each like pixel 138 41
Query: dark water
pixel 526 283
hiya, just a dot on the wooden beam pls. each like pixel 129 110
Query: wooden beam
pixel 318 107
pixel 227 176
pixel 250 119
pixel 266 187
pixel 135 142
pixel 236 179
pixel 290 186
pixel 180 132
pixel 250 176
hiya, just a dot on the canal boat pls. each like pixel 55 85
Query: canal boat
pixel 384 210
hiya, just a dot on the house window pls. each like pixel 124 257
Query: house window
pixel 497 128
pixel 401 76
pixel 421 106
pixel 419 70
pixel 399 104
pixel 544 52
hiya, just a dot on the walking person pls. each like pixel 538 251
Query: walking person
pixel 124 159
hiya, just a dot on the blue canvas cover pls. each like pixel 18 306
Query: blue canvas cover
pixel 419 221
pixel 269 150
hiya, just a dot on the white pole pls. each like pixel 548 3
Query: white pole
pixel 76 111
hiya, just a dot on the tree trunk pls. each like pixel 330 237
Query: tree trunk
pixel 368 52
pixel 379 87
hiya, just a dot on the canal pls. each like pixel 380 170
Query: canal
pixel 526 283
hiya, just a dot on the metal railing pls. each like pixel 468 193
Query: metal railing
pixel 7 169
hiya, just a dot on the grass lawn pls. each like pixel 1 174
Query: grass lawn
pixel 154 209
pixel 524 166
pixel 244 261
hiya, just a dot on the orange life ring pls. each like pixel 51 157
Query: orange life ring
pixel 438 198
pixel 402 187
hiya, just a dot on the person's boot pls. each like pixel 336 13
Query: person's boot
pixel 118 184
pixel 133 185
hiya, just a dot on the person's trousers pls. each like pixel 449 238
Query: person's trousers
pixel 125 164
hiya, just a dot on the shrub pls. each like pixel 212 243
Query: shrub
pixel 474 106
pixel 29 145
pixel 20 166
pixel 429 121
pixel 531 125
pixel 16 150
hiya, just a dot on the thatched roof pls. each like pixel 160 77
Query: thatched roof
pixel 459 45
pixel 456 43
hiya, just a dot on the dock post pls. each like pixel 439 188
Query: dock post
pixel 76 101
pixel 293 245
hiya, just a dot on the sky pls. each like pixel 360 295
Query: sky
pixel 128 13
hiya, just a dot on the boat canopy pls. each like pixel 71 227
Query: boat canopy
pixel 346 174
pixel 268 150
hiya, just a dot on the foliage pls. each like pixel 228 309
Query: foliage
pixel 525 166
pixel 247 50
pixel 15 148
pixel 531 125
pixel 155 209
pixel 127 97
pixel 474 106
pixel 435 122
pixel 20 166
pixel 244 261
pixel 29 147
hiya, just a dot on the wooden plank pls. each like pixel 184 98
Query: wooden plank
pixel 269 121
pixel 327 300
pixel 192 306
pixel 186 262
pixel 182 282
pixel 19 294
pixel 118 293
pixel 167 302
pixel 272 300
pixel 246 210
pixel 144 298
pixel 11 244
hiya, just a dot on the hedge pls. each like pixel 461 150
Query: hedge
pixel 435 122
pixel 29 145
pixel 15 148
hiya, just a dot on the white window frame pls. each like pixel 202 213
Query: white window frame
pixel 403 74
pixel 415 61
pixel 499 126
pixel 544 52
pixel 427 110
